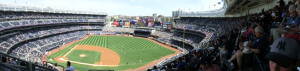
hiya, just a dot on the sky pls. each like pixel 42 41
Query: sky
pixel 123 7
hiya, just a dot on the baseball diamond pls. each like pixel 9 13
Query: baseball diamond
pixel 111 52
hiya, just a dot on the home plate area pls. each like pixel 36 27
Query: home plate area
pixel 82 55
pixel 91 55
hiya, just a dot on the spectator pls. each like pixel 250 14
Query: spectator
pixel 69 67
pixel 6 61
pixel 251 35
pixel 210 67
pixel 284 55
pixel 13 61
pixel 294 18
pixel 281 3
pixel 238 55
pixel 155 68
pixel 181 65
pixel 259 46
pixel 265 21
pixel 293 21
pixel 55 67
pixel 296 29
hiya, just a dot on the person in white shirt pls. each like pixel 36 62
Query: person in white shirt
pixel 69 68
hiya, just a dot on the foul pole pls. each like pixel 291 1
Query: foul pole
pixel 183 36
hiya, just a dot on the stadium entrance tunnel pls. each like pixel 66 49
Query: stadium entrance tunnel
pixel 108 57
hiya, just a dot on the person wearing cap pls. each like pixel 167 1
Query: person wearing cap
pixel 284 55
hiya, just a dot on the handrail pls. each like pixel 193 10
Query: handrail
pixel 29 66
pixel 54 63
pixel 6 66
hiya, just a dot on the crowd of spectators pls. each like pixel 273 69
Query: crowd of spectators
pixel 14 64
pixel 11 61
pixel 118 29
pixel 36 15
pixel 21 23
pixel 265 41
pixel 48 37
pixel 33 51
pixel 9 41
pixel 192 39
pixel 163 34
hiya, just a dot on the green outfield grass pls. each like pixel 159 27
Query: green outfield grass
pixel 91 56
pixel 131 50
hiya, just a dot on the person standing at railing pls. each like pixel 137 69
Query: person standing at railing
pixel 69 68
pixel 55 67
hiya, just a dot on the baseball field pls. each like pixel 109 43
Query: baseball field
pixel 117 53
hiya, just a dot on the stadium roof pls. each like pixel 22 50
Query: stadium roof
pixel 238 6
pixel 8 7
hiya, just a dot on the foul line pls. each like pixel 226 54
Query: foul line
pixel 81 62
pixel 70 51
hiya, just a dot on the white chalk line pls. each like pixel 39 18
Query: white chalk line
pixel 81 62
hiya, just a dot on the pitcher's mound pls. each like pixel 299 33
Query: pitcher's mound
pixel 82 55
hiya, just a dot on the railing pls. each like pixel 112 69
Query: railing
pixel 63 68
pixel 12 67
pixel 173 58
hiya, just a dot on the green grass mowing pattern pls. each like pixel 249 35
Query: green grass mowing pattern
pixel 91 56
pixel 130 50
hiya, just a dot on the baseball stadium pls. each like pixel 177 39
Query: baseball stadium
pixel 149 35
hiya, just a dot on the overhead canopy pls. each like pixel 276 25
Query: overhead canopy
pixel 238 6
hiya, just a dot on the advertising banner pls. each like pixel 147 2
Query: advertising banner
pixel 127 24
pixel 169 26
pixel 121 23
pixel 116 23
pixel 150 24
